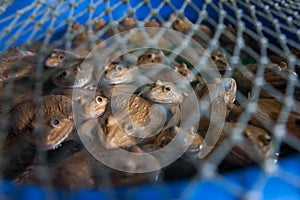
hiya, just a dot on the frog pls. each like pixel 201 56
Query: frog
pixel 222 99
pixel 17 95
pixel 66 78
pixel 35 47
pixel 228 29
pixel 133 117
pixel 120 73
pixel 165 92
pixel 167 135
pixel 184 25
pixel 151 56
pixel 229 36
pixel 60 58
pixel 282 70
pixel 181 24
pixel 55 125
pixel 85 39
pixel 81 34
pixel 27 133
pixel 229 94
pixel 184 71
pixel 203 35
pixel 146 115
pixel 115 136
pixel 275 74
pixel 296 52
pixel 99 24
pixel 17 156
pixel 10 71
pixel 73 172
pixel 127 24
pixel 220 61
pixel 268 112
pixel 16 52
pixel 256 147
pixel 147 162
pixel 152 23
pixel 16 64
pixel 171 97
pixel 126 164
pixel 276 58
pixel 89 104
pixel 151 27
pixel 92 109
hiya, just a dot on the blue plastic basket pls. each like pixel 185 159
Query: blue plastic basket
pixel 284 183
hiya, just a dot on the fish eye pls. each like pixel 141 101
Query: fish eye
pixel 119 68
pixel 61 57
pixel 228 85
pixel 55 122
pixel 214 58
pixel 30 128
pixel 168 88
pixel 150 55
pixel 129 127
pixel 297 122
pixel 276 68
pixel 64 73
pixel 99 99
pixel 172 129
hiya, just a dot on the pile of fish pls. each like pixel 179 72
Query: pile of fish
pixel 41 144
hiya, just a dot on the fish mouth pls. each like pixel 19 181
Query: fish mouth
pixel 91 110
pixel 59 143
pixel 107 80
pixel 71 82
pixel 54 138
pixel 90 115
pixel 116 80
pixel 157 99
pixel 53 64
pixel 49 142
pixel 80 82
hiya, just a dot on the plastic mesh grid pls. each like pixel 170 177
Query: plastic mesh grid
pixel 263 29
